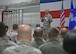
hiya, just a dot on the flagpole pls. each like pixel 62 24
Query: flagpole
pixel 61 17
pixel 62 7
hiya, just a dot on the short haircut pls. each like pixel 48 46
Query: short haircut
pixel 63 32
pixel 24 30
pixel 69 43
pixel 38 32
pixel 15 26
pixel 53 32
pixel 2 29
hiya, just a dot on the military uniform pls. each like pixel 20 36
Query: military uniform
pixel 22 48
pixel 13 36
pixel 4 43
pixel 53 46
pixel 47 19
pixel 37 42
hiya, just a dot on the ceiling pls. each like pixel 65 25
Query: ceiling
pixel 17 3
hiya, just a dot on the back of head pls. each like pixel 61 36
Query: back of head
pixel 38 32
pixel 24 30
pixel 2 29
pixel 53 32
pixel 63 31
pixel 69 43
pixel 15 26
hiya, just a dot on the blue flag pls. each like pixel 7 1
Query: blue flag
pixel 75 12
pixel 72 21
pixel 47 1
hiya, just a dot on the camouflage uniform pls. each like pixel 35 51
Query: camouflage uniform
pixel 22 48
pixel 13 36
pixel 46 22
pixel 37 42
pixel 4 42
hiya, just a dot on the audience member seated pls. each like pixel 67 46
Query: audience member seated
pixel 63 32
pixel 13 34
pixel 69 42
pixel 38 37
pixel 24 40
pixel 45 36
pixel 7 30
pixel 53 46
pixel 4 41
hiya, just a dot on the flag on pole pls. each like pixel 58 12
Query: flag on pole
pixel 72 8
pixel 72 20
pixel 62 17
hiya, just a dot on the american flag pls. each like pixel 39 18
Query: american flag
pixel 62 17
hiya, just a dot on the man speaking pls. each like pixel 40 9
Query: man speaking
pixel 47 19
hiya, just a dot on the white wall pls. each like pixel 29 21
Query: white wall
pixel 31 18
